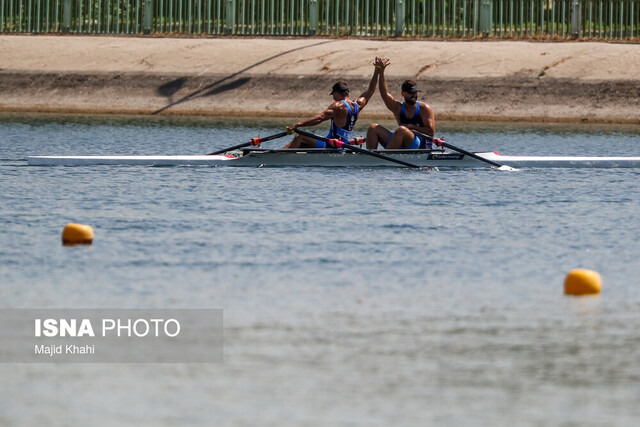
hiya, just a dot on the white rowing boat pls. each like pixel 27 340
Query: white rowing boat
pixel 255 157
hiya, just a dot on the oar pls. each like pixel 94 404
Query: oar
pixel 341 144
pixel 254 141
pixel 440 142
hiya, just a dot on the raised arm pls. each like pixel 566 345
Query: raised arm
pixel 367 94
pixel 389 101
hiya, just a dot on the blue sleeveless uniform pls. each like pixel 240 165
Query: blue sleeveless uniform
pixel 342 133
pixel 419 142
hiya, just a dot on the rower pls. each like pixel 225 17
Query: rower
pixel 410 115
pixel 343 113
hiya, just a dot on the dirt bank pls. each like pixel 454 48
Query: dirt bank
pixel 565 82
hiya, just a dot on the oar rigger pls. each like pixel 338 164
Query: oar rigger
pixel 441 143
pixel 341 144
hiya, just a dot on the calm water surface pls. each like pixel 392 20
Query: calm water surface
pixel 351 296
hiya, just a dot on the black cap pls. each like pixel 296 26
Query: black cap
pixel 341 87
pixel 410 86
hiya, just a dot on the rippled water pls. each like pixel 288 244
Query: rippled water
pixel 350 296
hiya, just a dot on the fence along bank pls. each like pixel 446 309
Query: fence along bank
pixel 605 19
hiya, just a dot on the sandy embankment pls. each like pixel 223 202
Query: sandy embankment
pixel 464 80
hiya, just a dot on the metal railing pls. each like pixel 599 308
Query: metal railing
pixel 608 19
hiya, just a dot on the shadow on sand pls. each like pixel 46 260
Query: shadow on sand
pixel 172 87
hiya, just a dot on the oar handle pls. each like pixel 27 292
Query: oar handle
pixel 358 149
pixel 254 141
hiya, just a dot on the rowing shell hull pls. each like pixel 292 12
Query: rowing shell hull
pixel 309 158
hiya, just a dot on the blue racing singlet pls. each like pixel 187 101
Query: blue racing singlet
pixel 414 120
pixel 344 133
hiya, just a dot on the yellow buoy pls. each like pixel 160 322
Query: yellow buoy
pixel 77 234
pixel 580 281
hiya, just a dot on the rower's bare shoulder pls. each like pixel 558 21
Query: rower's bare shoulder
pixel 425 108
pixel 362 101
pixel 337 105
pixel 396 106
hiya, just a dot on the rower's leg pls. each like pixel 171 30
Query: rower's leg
pixel 300 141
pixel 294 143
pixel 402 138
pixel 376 134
